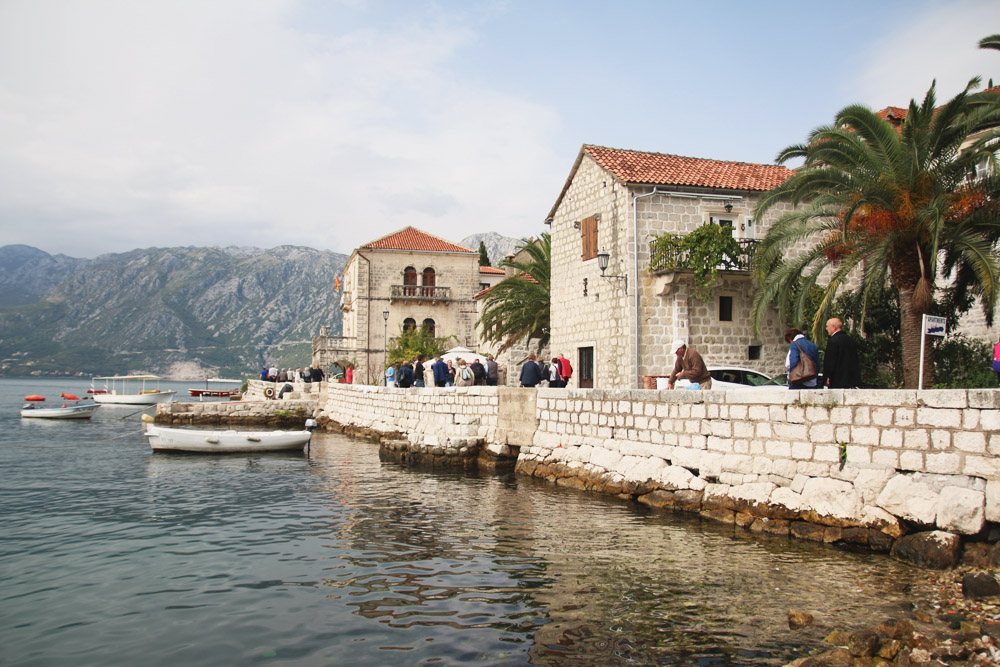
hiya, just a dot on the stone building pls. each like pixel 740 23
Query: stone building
pixel 405 280
pixel 616 326
pixel 509 361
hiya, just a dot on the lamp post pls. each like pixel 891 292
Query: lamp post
pixel 603 258
pixel 385 343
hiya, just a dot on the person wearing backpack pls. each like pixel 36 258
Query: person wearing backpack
pixel 404 378
pixel 463 375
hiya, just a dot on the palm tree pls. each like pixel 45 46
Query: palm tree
pixel 517 308
pixel 873 202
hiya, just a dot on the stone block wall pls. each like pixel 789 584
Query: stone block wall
pixel 436 421
pixel 879 462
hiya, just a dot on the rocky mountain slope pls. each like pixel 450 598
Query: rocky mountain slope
pixel 175 311
pixel 497 247
pixel 183 312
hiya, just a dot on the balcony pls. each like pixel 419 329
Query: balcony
pixel 428 293
pixel 675 255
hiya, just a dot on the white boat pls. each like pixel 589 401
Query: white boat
pixel 130 390
pixel 71 409
pixel 164 439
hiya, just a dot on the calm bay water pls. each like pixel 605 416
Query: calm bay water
pixel 112 555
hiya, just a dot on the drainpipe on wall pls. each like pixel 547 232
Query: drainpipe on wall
pixel 368 320
pixel 635 250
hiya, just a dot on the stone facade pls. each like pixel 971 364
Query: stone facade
pixel 374 283
pixel 593 312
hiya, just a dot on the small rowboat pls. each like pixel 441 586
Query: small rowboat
pixel 66 411
pixel 164 439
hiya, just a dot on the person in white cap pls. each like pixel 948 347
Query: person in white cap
pixel 689 366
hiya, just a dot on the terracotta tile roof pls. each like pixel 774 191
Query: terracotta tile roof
pixel 492 270
pixel 411 238
pixel 895 115
pixel 664 169
pixel 483 292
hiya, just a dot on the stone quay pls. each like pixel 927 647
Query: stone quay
pixel 916 473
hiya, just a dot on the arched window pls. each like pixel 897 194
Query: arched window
pixel 428 327
pixel 429 281
pixel 409 281
pixel 409 324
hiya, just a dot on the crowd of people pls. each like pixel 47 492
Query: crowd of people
pixel 275 374
pixel 439 372
pixel 840 368
pixel 536 373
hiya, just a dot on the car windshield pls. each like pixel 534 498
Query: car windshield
pixel 757 379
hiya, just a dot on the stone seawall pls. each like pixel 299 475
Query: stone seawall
pixel 863 466
pixel 291 411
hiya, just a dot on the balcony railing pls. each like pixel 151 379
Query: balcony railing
pixel 670 258
pixel 419 293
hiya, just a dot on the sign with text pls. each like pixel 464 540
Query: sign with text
pixel 934 326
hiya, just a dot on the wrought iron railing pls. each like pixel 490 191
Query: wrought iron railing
pixel 420 293
pixel 668 257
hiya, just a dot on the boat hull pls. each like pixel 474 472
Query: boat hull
pixel 146 398
pixel 69 412
pixel 163 439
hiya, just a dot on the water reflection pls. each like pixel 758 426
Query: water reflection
pixel 588 579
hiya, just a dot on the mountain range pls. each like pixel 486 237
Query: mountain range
pixel 184 313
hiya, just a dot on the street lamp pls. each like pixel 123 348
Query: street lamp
pixel 385 343
pixel 603 258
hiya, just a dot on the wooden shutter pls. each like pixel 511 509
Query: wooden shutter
pixel 588 234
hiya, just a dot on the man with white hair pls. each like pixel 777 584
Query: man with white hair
pixel 688 366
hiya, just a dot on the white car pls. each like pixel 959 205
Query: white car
pixel 733 377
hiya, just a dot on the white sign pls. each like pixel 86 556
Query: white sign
pixel 934 326
pixel 931 326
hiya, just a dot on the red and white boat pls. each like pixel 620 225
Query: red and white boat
pixel 233 390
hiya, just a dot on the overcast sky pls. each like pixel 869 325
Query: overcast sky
pixel 128 124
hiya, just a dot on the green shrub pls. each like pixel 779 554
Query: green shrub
pixel 961 362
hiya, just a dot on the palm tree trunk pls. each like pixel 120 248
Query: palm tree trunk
pixel 911 329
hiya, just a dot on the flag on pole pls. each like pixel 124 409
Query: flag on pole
pixel 336 283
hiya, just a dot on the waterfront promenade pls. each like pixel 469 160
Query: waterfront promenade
pixel 872 468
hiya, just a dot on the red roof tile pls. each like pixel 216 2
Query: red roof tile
pixel 491 270
pixel 523 276
pixel 411 238
pixel 894 115
pixel 664 169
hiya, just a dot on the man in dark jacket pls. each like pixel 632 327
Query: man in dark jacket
pixel 840 363
pixel 478 372
pixel 440 373
pixel 404 378
pixel 531 374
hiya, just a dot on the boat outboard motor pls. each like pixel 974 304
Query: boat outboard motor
pixel 311 424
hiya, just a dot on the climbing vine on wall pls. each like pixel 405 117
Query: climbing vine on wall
pixel 704 252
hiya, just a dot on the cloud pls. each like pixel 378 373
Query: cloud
pixel 128 124
pixel 939 43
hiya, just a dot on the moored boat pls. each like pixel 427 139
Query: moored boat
pixel 218 393
pixel 165 439
pixel 67 410
pixel 131 390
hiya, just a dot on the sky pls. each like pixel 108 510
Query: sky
pixel 331 123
